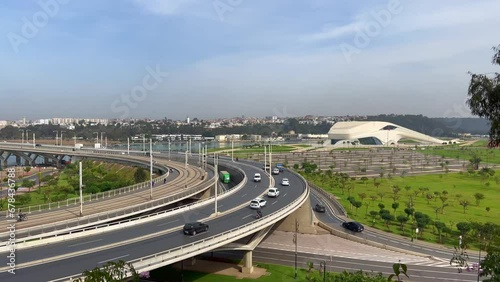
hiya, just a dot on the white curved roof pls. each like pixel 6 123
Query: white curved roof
pixel 386 132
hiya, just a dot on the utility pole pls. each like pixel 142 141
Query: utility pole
pixel 151 168
pixel 81 193
pixel 61 138
pixel 34 140
pixel 169 147
pixel 186 169
pixel 295 241
pixel 216 163
pixel 56 135
pixel 232 149
pixel 128 145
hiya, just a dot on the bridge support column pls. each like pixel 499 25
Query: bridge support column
pixel 247 263
pixel 18 160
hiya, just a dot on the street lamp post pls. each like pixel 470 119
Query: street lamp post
pixel 295 242
pixel 27 136
pixel 61 137
pixel 22 136
pixel 323 265
pixel 151 168
pixel 56 135
pixel 96 137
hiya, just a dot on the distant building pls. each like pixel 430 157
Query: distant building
pixel 374 133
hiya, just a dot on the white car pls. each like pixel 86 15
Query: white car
pixel 257 203
pixel 285 182
pixel 273 192
pixel 276 171
pixel 257 178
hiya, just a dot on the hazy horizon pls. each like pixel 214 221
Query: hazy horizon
pixel 209 59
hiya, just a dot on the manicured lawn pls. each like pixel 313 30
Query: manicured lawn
pixel 276 273
pixel 491 156
pixel 459 186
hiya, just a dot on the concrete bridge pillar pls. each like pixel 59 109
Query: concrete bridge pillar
pixel 247 263
pixel 18 160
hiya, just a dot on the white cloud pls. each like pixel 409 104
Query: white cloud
pixel 334 32
pixel 164 7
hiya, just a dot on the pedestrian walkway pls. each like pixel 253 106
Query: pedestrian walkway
pixel 334 246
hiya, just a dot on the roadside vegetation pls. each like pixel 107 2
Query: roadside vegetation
pixel 477 149
pixel 97 177
pixel 435 203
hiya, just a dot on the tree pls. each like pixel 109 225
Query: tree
pixel 140 175
pixel 464 203
pixel 395 206
pixel 398 268
pixel 422 221
pixel 110 272
pixel 387 217
pixel 464 227
pixel 402 220
pixel 459 258
pixel 373 214
pixel 409 211
pixel 491 264
pixel 443 204
pixel 478 197
pixel 440 226
pixel 484 99
pixel 357 205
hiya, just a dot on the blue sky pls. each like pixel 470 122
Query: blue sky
pixel 229 58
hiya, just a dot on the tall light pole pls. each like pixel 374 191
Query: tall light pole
pixel 186 169
pixel 143 142
pixel 151 168
pixel 96 137
pixel 232 149
pixel 169 147
pixel 216 163
pixel 81 193
pixel 128 146
pixel 22 136
pixel 61 137
pixel 27 136
pixel 56 135
pixel 295 242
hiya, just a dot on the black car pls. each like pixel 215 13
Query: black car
pixel 195 227
pixel 319 208
pixel 353 226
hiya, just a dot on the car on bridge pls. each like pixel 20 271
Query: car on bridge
pixel 285 182
pixel 319 208
pixel 257 178
pixel 193 228
pixel 273 192
pixel 353 226
pixel 257 203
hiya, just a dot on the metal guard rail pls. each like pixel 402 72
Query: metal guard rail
pixel 198 247
pixel 116 214
pixel 329 196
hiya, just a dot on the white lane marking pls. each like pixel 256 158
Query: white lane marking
pixel 165 223
pixel 247 216
pixel 83 243
pixel 112 259
pixel 285 194
pixel 274 202
pixel 243 195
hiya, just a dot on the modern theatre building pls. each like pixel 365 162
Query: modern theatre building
pixel 374 133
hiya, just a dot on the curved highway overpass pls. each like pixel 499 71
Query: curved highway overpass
pixel 161 242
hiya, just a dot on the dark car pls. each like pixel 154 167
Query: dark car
pixel 353 226
pixel 38 145
pixel 195 227
pixel 319 208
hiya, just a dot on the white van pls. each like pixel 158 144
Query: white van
pixel 257 178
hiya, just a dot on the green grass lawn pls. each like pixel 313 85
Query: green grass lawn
pixel 458 185
pixel 274 273
pixel 491 156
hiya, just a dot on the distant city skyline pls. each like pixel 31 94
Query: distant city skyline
pixel 221 59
